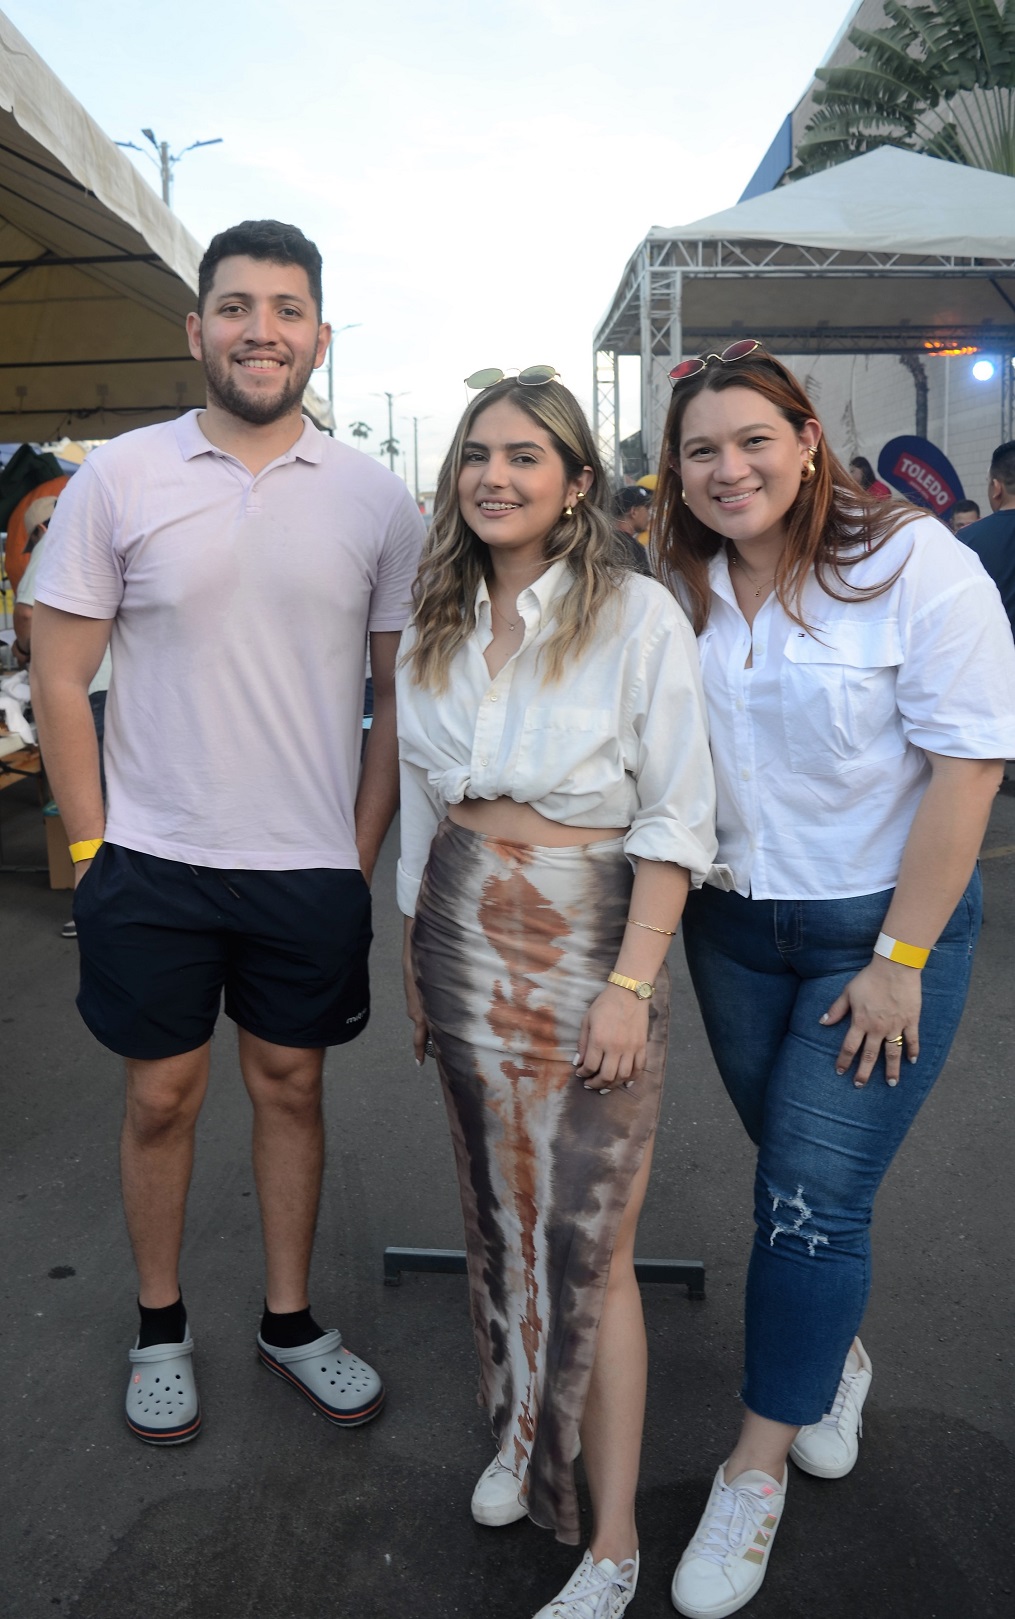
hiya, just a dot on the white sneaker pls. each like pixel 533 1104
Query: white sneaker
pixel 495 1498
pixel 595 1590
pixel 726 1561
pixel 829 1448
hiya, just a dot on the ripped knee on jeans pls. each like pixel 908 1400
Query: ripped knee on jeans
pixel 792 1220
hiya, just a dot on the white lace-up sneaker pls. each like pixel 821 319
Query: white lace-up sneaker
pixel 595 1590
pixel 726 1561
pixel 829 1448
pixel 495 1498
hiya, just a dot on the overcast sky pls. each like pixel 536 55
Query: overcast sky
pixel 476 173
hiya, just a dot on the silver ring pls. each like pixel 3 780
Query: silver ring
pixel 429 1049
pixel 893 1040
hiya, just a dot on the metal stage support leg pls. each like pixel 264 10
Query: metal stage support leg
pixel 451 1262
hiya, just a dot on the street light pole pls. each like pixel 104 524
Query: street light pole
pixel 415 451
pixel 166 170
pixel 390 445
pixel 348 327
pixel 391 431
pixel 166 161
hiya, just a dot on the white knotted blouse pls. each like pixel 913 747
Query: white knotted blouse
pixel 620 740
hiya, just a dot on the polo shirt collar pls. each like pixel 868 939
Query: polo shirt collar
pixel 192 442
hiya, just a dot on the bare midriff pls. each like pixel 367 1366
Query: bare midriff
pixel 520 823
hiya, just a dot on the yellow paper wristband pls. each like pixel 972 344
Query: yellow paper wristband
pixel 86 850
pixel 908 955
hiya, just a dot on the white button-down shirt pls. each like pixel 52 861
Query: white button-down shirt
pixel 819 746
pixel 618 741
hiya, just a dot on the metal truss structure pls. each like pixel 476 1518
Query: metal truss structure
pixel 679 293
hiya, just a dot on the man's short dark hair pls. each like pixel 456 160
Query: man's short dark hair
pixel 965 506
pixel 265 239
pixel 627 499
pixel 1002 466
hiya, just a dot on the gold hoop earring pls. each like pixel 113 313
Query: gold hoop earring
pixel 683 496
pixel 807 472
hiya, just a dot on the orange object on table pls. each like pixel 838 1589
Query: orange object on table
pixel 15 555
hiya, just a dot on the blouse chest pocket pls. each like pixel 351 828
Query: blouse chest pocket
pixel 562 747
pixel 839 705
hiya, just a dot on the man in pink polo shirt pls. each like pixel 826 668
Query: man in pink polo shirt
pixel 237 561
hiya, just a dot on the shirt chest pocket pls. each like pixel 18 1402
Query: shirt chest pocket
pixel 565 747
pixel 838 697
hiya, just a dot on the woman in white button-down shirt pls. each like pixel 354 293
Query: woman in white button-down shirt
pixel 552 738
pixel 860 680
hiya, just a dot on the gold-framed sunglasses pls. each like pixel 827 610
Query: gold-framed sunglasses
pixel 729 356
pixel 533 376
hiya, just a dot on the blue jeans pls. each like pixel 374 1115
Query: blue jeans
pixel 763 972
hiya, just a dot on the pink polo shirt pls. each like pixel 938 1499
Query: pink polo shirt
pixel 241 606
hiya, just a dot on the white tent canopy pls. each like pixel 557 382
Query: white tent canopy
pixel 889 200
pixel 96 274
pixel 888 253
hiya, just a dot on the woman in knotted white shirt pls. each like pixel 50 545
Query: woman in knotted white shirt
pixel 860 679
pixel 557 804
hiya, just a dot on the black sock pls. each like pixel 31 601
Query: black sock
pixel 165 1326
pixel 290 1330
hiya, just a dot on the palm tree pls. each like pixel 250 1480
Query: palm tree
pixel 360 429
pixel 938 79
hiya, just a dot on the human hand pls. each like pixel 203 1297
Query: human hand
pixel 613 1043
pixel 884 1001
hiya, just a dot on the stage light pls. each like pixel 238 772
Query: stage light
pixel 983 370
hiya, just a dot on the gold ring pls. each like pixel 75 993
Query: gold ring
pixel 895 1040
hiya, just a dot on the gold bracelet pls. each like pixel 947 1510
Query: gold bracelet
pixel 670 933
pixel 86 850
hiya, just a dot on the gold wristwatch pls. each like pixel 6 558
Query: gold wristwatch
pixel 643 990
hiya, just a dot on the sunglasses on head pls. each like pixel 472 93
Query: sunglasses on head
pixel 532 377
pixel 735 352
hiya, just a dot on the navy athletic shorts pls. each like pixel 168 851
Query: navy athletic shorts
pixel 161 941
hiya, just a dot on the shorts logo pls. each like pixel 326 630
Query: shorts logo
pixel 357 1017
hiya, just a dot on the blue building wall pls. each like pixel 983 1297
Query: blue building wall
pixel 774 163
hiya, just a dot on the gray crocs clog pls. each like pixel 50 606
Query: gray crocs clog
pixel 162 1403
pixel 336 1382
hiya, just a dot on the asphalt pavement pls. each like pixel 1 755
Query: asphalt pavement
pixel 273 1512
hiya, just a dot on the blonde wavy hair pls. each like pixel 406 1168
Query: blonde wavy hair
pixel 455 560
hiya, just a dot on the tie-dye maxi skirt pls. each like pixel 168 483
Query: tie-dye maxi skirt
pixel 512 943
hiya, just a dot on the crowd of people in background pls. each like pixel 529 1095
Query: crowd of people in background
pixel 754 696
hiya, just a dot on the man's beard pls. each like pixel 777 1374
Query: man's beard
pixel 224 391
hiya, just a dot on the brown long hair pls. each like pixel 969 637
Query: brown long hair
pixel 831 524
pixel 455 559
